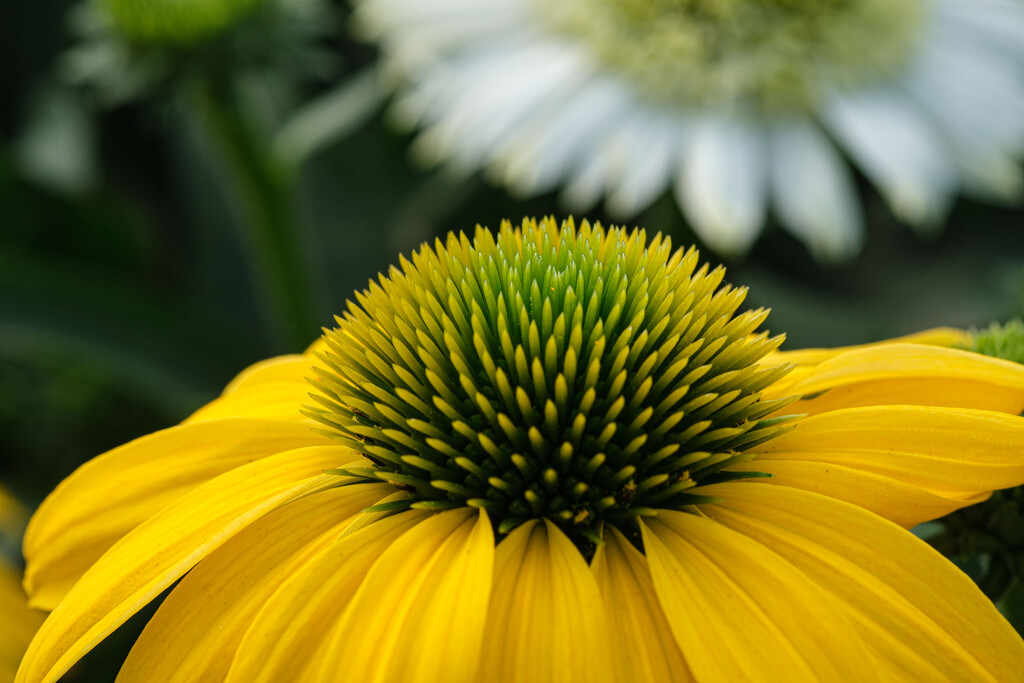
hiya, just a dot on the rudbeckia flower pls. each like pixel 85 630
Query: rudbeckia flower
pixel 18 623
pixel 733 105
pixel 545 454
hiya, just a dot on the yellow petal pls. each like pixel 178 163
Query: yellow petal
pixel 267 401
pixel 291 369
pixel 159 551
pixel 194 634
pixel 740 612
pixel 907 374
pixel 641 645
pixel 948 337
pixel 290 633
pixel 18 623
pixel 318 346
pixel 545 623
pixel 921 618
pixel 110 495
pixel 804 361
pixel 275 389
pixel 949 451
pixel 419 615
pixel 897 501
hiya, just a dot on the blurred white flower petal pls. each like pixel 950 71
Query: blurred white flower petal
pixel 992 23
pixel 722 186
pixel 623 100
pixel 895 146
pixel 813 191
pixel 647 149
pixel 537 160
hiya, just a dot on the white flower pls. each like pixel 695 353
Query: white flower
pixel 735 104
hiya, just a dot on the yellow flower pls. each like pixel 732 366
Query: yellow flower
pixel 548 454
pixel 18 623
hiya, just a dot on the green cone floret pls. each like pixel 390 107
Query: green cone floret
pixel 779 54
pixel 579 376
pixel 1000 341
pixel 987 540
pixel 174 21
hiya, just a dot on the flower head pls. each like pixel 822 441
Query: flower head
pixel 550 374
pixel 733 104
pixel 127 49
pixel 546 454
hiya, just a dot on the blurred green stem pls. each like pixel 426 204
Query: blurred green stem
pixel 268 224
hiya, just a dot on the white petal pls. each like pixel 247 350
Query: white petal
pixel 897 148
pixel 411 104
pixel 491 95
pixel 645 153
pixel 991 176
pixel 410 27
pixel 539 159
pixel 982 139
pixel 722 188
pixel 530 92
pixel 974 94
pixel 995 23
pixel 813 192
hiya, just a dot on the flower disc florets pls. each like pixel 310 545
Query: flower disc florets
pixel 1000 341
pixel 576 375
pixel 773 53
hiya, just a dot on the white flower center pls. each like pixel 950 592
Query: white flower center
pixel 774 54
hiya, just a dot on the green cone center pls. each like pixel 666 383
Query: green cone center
pixel 1005 341
pixel 176 22
pixel 548 372
pixel 773 54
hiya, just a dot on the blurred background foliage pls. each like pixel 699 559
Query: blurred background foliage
pixel 181 198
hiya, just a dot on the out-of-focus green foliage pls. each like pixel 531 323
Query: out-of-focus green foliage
pixel 124 51
pixel 173 209
pixel 987 542
pixel 174 21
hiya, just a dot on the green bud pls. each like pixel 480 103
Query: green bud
pixel 174 22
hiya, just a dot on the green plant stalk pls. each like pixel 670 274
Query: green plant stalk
pixel 268 222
